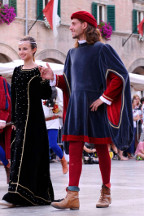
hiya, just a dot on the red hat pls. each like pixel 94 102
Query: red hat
pixel 85 16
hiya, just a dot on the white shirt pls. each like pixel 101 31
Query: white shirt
pixel 54 123
pixel 135 113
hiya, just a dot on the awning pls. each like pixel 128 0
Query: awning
pixel 6 69
pixel 137 81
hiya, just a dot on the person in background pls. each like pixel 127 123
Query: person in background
pixel 30 182
pixel 53 110
pixel 138 101
pixel 5 162
pixel 139 153
pixel 142 110
pixel 117 154
pixel 89 154
pixel 5 130
pixel 138 122
pixel 89 150
pixel 136 117
pixel 97 104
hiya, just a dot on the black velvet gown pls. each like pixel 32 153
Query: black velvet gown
pixel 30 182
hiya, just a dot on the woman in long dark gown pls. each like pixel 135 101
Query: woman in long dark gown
pixel 30 182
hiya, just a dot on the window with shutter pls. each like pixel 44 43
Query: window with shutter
pixel 94 10
pixel 134 21
pixel 140 16
pixel 40 9
pixel 59 8
pixel 111 15
pixel 98 11
pixel 5 2
pixel 13 3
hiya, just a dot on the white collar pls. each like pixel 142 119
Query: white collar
pixel 81 41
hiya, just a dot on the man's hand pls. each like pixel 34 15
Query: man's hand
pixel 94 106
pixel 46 73
pixel 2 125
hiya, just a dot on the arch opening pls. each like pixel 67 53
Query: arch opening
pixel 4 58
pixel 52 60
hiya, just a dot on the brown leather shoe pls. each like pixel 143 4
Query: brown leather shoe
pixel 105 198
pixel 71 201
pixel 64 165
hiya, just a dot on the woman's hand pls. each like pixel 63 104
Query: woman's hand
pixel 94 106
pixel 136 118
pixel 46 72
pixel 13 127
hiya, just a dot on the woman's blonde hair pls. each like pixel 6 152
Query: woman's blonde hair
pixel 135 96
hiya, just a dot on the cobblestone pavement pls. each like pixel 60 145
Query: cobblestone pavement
pixel 127 191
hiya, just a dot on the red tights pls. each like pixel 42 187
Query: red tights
pixel 75 162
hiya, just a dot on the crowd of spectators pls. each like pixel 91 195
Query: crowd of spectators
pixel 136 149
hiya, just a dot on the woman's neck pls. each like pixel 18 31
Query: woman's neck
pixel 29 64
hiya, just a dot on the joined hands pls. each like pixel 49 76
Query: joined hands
pixel 46 72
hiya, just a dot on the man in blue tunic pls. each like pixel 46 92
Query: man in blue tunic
pixel 97 104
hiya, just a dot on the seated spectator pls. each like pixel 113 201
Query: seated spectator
pixel 89 154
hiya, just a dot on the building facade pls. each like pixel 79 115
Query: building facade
pixel 123 15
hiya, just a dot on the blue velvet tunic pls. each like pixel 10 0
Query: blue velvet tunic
pixel 86 70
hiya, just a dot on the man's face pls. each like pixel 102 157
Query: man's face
pixel 77 28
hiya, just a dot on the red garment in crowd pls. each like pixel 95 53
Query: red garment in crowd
pixel 5 114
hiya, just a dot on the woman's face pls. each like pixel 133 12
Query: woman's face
pixel 134 103
pixel 25 51
pixel 137 100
